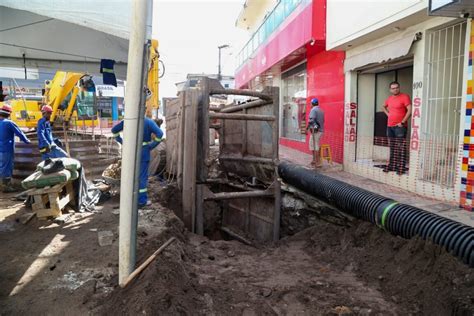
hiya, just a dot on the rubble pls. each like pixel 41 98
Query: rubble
pixel 105 237
pixel 114 170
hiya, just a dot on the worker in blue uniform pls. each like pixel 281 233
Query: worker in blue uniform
pixel 152 136
pixel 49 147
pixel 8 131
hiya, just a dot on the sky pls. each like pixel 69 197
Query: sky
pixel 189 33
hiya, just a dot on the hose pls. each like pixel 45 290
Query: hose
pixel 397 218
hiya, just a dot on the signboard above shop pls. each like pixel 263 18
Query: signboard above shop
pixel 110 91
pixel 451 8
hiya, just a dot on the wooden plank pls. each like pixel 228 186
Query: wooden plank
pixel 54 204
pixel 43 213
pixel 70 192
pixel 189 159
pixel 203 131
pixel 249 117
pixel 40 202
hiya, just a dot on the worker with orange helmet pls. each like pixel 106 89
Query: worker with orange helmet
pixel 49 147
pixel 8 131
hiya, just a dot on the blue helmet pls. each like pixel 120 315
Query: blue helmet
pixel 314 101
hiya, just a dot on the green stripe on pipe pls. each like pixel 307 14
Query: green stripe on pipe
pixel 386 211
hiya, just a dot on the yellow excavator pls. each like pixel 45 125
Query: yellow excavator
pixel 64 90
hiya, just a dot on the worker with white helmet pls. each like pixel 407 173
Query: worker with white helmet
pixel 8 131
pixel 49 147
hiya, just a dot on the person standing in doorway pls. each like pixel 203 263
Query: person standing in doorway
pixel 8 131
pixel 316 129
pixel 397 107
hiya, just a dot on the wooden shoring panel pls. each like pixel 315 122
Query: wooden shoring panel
pixel 189 158
pixel 173 116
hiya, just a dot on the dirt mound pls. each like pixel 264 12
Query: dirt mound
pixel 328 269
pixel 414 272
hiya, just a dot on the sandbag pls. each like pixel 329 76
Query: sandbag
pixel 70 164
pixel 40 180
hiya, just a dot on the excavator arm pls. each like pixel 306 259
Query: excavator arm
pixel 153 80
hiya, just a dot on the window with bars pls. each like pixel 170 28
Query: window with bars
pixel 441 112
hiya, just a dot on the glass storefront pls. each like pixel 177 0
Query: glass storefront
pixel 294 103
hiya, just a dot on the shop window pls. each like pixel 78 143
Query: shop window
pixel 294 103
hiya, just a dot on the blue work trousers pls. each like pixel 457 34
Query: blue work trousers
pixel 6 164
pixel 143 183
pixel 55 152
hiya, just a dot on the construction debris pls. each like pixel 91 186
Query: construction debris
pixel 105 238
pixel 113 171
pixel 25 218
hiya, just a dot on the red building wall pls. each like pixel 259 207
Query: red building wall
pixel 325 81
pixel 306 28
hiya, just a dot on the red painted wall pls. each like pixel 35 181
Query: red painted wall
pixel 325 81
pixel 294 33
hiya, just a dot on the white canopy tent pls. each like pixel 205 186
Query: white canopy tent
pixel 64 35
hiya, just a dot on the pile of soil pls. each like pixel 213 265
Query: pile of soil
pixel 417 275
pixel 326 269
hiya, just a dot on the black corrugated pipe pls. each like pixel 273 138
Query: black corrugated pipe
pixel 399 219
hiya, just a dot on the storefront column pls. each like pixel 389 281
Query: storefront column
pixel 466 187
pixel 350 119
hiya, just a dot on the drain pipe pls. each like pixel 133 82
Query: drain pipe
pixel 132 136
pixel 399 219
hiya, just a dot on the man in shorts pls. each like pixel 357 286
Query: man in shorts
pixel 316 129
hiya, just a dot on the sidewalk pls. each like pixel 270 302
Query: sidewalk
pixel 441 208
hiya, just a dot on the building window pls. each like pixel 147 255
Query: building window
pixel 442 112
pixel 294 103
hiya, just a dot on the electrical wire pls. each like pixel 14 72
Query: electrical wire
pixel 49 51
pixel 24 25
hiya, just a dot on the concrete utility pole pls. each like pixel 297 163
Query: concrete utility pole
pixel 219 75
pixel 140 32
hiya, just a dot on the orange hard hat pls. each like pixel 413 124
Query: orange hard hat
pixel 6 109
pixel 47 109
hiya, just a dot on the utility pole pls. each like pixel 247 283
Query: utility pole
pixel 140 33
pixel 219 75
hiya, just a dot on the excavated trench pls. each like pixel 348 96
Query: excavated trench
pixel 327 263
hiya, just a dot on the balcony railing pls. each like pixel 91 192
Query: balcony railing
pixel 281 11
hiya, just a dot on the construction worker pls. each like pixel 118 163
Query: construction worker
pixel 149 142
pixel 8 130
pixel 48 146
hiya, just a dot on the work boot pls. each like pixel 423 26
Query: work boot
pixel 7 186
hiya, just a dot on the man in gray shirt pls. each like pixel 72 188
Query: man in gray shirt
pixel 316 129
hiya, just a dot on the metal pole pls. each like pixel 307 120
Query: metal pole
pixel 219 76
pixel 132 137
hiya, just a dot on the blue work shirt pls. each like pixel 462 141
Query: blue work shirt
pixel 8 130
pixel 45 134
pixel 149 142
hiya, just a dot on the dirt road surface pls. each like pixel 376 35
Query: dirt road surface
pixel 355 269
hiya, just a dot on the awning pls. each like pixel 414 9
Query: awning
pixel 380 54
pixel 107 16
pixel 64 35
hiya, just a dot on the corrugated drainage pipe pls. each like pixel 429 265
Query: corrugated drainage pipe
pixel 399 219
